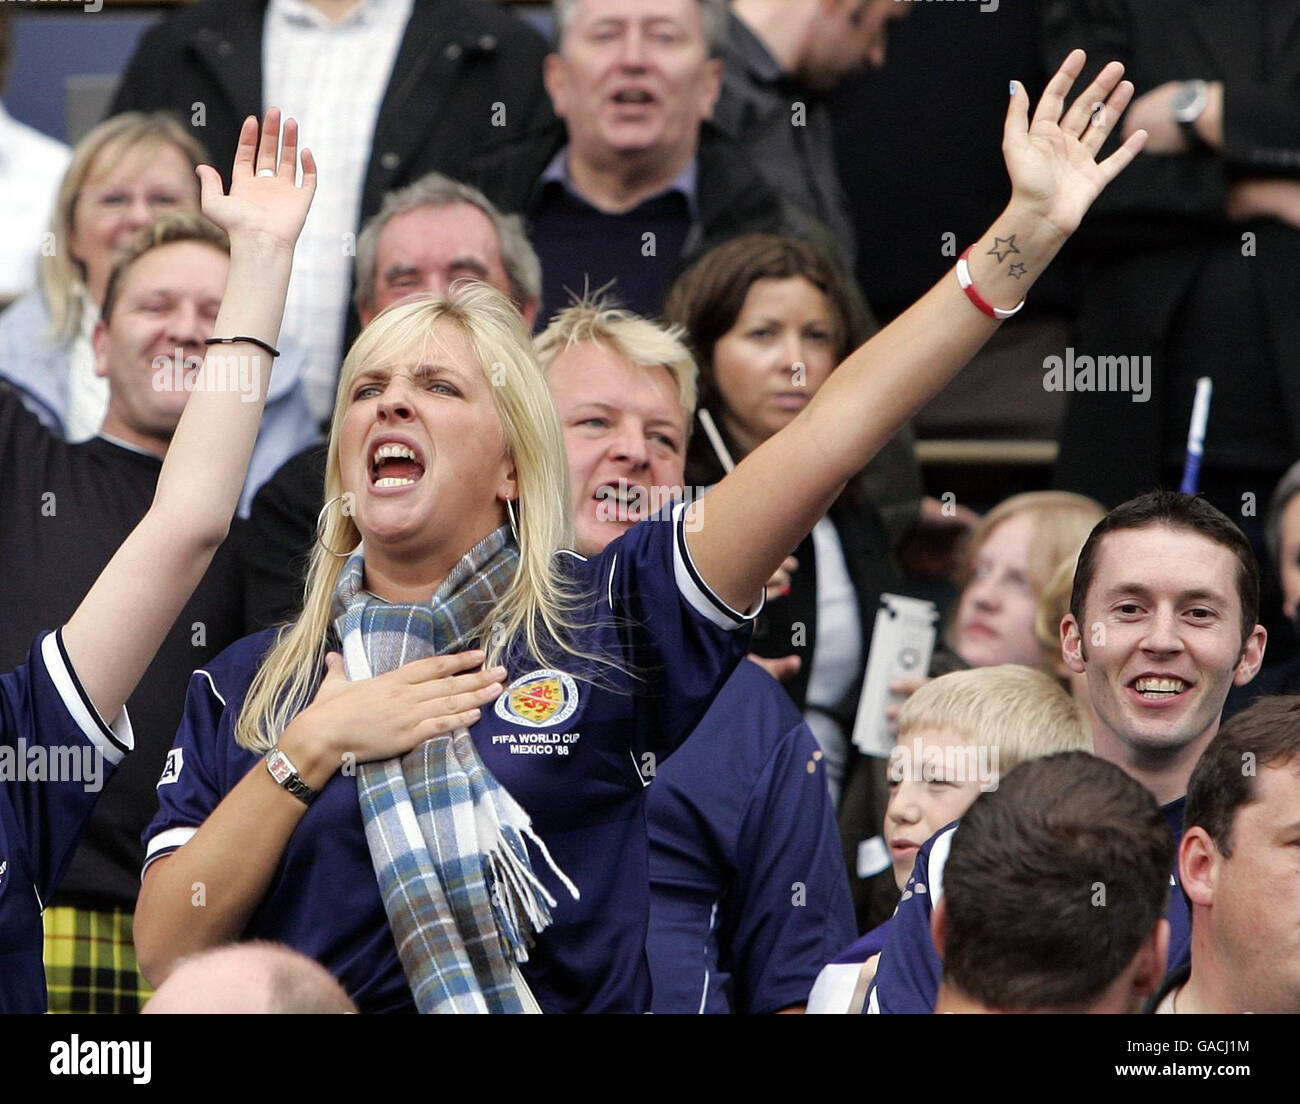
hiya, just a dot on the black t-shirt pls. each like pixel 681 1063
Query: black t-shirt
pixel 278 537
pixel 67 508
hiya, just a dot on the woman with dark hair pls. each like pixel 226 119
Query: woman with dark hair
pixel 769 319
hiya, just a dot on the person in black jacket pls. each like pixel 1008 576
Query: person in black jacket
pixel 1193 261
pixel 633 181
pixel 438 79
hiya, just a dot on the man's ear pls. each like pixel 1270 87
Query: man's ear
pixel 556 81
pixel 529 311
pixel 712 87
pixel 939 925
pixel 99 342
pixel 1148 966
pixel 1072 647
pixel 1252 656
pixel 1198 866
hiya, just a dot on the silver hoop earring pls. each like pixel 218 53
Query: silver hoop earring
pixel 320 520
pixel 510 513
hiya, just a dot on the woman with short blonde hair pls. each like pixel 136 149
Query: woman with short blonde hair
pixel 1006 564
pixel 123 174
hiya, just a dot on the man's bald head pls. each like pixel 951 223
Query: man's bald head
pixel 257 978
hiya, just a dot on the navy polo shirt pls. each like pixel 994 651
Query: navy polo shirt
pixel 575 754
pixel 748 890
pixel 908 976
pixel 55 756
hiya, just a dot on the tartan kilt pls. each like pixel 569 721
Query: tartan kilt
pixel 90 962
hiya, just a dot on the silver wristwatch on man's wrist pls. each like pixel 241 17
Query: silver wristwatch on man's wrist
pixel 1189 105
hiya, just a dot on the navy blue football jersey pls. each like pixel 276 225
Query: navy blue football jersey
pixel 576 753
pixel 748 889
pixel 56 753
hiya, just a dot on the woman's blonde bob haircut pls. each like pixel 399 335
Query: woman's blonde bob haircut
pixel 62 276
pixel 1022 712
pixel 538 605
pixel 1060 522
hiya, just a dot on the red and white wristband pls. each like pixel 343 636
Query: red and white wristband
pixel 968 286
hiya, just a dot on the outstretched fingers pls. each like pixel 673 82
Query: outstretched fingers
pixel 1118 161
pixel 308 172
pixel 1016 124
pixel 246 151
pixel 270 144
pixel 438 667
pixel 288 168
pixel 1087 107
pixel 1106 115
pixel 210 190
pixel 1051 106
pixel 449 689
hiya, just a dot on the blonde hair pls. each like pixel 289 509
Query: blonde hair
pixel 1060 523
pixel 1054 604
pixel 638 340
pixel 62 276
pixel 1022 712
pixel 539 603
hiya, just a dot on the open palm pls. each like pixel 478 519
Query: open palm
pixel 264 198
pixel 1052 160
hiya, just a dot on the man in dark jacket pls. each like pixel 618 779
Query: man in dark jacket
pixel 1189 267
pixel 632 182
pixel 387 90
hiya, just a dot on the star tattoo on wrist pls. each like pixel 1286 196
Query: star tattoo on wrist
pixel 1017 269
pixel 1003 248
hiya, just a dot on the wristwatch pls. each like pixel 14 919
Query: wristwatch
pixel 1189 105
pixel 286 775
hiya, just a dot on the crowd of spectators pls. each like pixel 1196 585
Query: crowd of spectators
pixel 582 345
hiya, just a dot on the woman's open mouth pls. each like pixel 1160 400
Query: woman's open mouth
pixel 393 464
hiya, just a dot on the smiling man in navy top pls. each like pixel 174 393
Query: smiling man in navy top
pixel 748 891
pixel 1163 620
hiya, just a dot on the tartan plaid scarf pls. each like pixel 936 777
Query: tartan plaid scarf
pixel 446 839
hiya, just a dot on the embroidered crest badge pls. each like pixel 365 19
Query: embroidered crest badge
pixel 539 699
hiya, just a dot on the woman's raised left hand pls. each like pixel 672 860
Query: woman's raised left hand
pixel 1052 160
